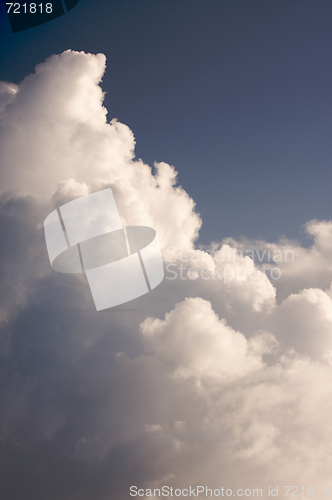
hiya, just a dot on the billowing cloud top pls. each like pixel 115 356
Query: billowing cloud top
pixel 221 376
pixel 55 139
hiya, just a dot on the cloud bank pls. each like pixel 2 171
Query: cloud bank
pixel 204 381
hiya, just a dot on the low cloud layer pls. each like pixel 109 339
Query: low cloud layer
pixel 221 376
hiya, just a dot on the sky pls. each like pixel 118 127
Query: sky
pixel 211 123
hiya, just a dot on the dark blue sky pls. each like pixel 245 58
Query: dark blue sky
pixel 235 94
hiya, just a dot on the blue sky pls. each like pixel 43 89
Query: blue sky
pixel 235 94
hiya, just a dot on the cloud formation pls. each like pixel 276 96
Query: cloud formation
pixel 206 380
pixel 55 139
